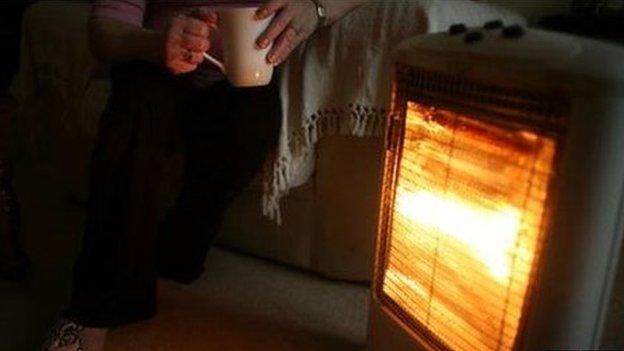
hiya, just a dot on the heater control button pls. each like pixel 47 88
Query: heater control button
pixel 491 25
pixel 514 31
pixel 457 28
pixel 473 37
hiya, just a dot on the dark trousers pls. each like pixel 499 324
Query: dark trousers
pixel 159 131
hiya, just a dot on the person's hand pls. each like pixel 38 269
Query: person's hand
pixel 294 21
pixel 187 39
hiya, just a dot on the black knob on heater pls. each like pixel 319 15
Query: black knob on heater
pixel 513 31
pixel 457 28
pixel 473 37
pixel 491 25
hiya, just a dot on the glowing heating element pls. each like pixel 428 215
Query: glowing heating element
pixel 467 227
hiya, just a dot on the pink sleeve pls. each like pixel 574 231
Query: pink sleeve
pixel 129 11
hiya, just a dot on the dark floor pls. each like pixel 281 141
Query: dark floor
pixel 240 303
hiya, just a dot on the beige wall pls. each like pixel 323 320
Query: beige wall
pixel 533 10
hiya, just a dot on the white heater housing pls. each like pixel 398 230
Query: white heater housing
pixel 549 81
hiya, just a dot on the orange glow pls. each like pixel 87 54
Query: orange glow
pixel 490 234
pixel 467 226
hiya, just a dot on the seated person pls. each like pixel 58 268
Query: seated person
pixel 169 110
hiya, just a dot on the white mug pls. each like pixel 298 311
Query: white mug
pixel 244 63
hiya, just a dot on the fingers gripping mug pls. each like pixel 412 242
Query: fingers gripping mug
pixel 244 64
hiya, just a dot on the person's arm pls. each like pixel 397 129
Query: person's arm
pixel 116 41
pixel 180 47
pixel 295 21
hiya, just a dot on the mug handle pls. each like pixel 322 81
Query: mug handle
pixel 215 62
pixel 212 59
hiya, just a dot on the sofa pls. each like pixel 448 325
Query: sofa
pixel 329 223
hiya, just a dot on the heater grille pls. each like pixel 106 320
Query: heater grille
pixel 512 106
pixel 464 226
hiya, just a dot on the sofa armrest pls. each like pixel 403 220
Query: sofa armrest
pixel 347 178
pixel 329 222
pixel 55 60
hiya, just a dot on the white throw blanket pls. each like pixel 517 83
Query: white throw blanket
pixel 339 81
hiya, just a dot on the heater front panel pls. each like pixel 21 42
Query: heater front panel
pixel 466 227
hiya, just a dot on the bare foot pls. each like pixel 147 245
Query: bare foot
pixel 69 336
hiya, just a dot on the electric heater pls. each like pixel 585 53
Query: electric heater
pixel 501 213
